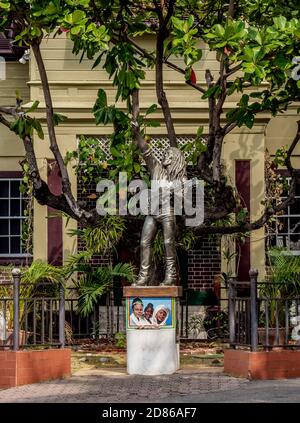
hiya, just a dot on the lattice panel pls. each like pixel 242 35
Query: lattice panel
pixel 158 145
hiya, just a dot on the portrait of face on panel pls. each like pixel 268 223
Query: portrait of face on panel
pixel 150 313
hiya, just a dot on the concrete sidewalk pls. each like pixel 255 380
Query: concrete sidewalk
pixel 187 385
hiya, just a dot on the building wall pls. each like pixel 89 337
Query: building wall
pixel 11 147
pixel 16 79
pixel 281 131
pixel 74 87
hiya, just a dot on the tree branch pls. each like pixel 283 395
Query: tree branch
pixel 149 56
pixel 231 8
pixel 160 93
pixel 9 111
pixel 4 121
pixel 134 124
pixel 206 157
pixel 182 71
pixel 245 227
pixel 66 186
pixel 290 151
pixel 229 127
pixel 232 70
pixel 268 212
pixel 41 190
pixel 219 135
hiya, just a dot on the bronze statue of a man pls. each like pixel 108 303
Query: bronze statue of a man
pixel 172 168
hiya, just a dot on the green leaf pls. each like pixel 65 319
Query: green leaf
pixel 249 67
pixel 137 167
pixel 102 98
pixel 212 91
pixel 77 16
pixel 75 30
pixel 51 9
pixel 153 123
pixel 58 118
pixel 177 23
pixel 5 6
pixel 200 131
pixel 219 30
pixel 249 120
pixel 282 61
pixel 244 100
pixel 190 21
pixel 280 22
pixel 98 60
pixel 38 127
pixel 151 109
pixel 115 152
pixel 33 107
pixel 21 126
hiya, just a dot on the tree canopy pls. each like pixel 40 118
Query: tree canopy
pixel 254 41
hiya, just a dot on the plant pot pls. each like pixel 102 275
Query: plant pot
pixel 271 340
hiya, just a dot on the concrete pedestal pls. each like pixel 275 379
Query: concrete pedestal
pixel 152 350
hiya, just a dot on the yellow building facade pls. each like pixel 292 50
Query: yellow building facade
pixel 74 88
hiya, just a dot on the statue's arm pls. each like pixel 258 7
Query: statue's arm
pixel 150 159
pixel 144 147
pixel 140 140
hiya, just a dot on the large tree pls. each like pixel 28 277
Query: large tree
pixel 254 41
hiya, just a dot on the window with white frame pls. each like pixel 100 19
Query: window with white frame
pixel 287 232
pixel 12 207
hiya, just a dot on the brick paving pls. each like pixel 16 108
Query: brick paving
pixel 105 386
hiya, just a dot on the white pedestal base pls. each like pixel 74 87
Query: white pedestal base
pixel 152 351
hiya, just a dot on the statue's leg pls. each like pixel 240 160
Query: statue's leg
pixel 169 227
pixel 148 235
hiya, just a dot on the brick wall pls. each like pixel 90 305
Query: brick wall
pixel 5 274
pixel 24 367
pixel 204 263
pixel 263 365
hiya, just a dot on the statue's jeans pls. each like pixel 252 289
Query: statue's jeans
pixel 148 234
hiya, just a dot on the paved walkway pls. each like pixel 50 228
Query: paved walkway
pixel 114 385
pixel 103 386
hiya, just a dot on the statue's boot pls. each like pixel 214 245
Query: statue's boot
pixel 144 276
pixel 143 279
pixel 171 273
pixel 170 249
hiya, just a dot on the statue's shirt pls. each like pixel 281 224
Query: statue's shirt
pixel 161 202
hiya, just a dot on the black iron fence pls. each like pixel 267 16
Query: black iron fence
pixel 263 315
pixel 27 320
pixel 46 315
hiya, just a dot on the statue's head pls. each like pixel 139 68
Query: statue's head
pixel 174 162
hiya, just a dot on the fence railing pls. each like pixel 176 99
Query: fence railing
pixel 27 320
pixel 48 316
pixel 263 315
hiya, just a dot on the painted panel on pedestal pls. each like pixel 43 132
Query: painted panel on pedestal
pixel 150 313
